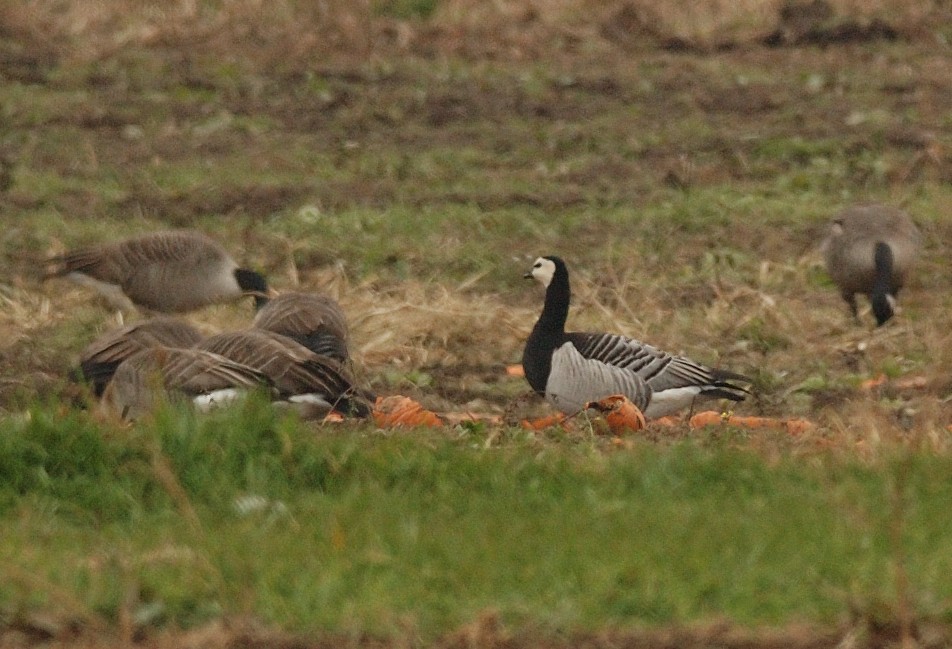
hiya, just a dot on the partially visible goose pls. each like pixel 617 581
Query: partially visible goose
pixel 317 382
pixel 161 374
pixel 870 249
pixel 572 369
pixel 170 272
pixel 101 357
pixel 312 319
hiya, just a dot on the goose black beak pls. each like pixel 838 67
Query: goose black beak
pixel 527 275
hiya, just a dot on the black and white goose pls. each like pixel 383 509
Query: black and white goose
pixel 170 272
pixel 313 319
pixel 573 369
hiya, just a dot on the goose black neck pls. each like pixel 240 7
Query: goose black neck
pixel 254 283
pixel 557 296
pixel 549 330
pixel 882 284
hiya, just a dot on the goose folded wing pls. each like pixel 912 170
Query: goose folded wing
pixel 575 380
pixel 661 370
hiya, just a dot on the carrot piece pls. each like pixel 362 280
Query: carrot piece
pixel 543 422
pixel 621 415
pixel 397 410
pixel 874 382
pixel 515 370
pixel 710 417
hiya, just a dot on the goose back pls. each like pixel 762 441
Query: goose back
pixel 294 369
pixel 870 249
pixel 312 319
pixel 161 374
pixel 101 357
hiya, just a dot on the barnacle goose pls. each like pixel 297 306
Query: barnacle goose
pixel 573 369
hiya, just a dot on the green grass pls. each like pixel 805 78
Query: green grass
pixel 379 531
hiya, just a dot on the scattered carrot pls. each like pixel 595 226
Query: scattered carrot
pixel 669 421
pixel 515 370
pixel 872 383
pixel 710 417
pixel 621 415
pixel 332 417
pixel 403 411
pixel 543 422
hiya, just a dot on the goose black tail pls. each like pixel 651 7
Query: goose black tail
pixel 881 295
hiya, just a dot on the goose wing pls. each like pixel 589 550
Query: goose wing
pixel 294 368
pixel 312 319
pixel 575 380
pixel 659 369
pixel 99 360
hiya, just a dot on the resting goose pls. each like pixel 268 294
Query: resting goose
pixel 573 369
pixel 170 272
pixel 312 319
pixel 870 249
pixel 101 357
pixel 318 383
pixel 160 374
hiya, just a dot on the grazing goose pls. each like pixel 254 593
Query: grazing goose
pixel 312 319
pixel 870 249
pixel 318 383
pixel 160 374
pixel 170 272
pixel 572 369
pixel 101 357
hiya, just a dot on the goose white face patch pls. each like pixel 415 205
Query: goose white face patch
pixel 543 270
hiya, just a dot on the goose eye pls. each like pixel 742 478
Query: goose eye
pixel 538 264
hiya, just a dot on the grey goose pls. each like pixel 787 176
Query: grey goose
pixel 170 272
pixel 870 249
pixel 161 374
pixel 98 362
pixel 313 319
pixel 318 383
pixel 573 369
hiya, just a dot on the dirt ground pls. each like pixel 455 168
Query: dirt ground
pixel 594 54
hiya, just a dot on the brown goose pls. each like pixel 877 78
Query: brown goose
pixel 573 369
pixel 312 319
pixel 170 272
pixel 317 382
pixel 161 374
pixel 101 357
pixel 870 249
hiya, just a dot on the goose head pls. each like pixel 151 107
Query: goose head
pixel 544 270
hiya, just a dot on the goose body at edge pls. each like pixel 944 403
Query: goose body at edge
pixel 169 272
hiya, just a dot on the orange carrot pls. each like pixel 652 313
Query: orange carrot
pixel 397 410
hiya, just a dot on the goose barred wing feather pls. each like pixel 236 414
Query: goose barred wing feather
pixel 659 369
pixel 154 375
pixel 314 320
pixel 294 369
pixel 575 380
pixel 100 359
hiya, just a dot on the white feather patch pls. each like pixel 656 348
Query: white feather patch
pixel 668 402
pixel 218 398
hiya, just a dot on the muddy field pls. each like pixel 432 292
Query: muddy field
pixel 685 162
